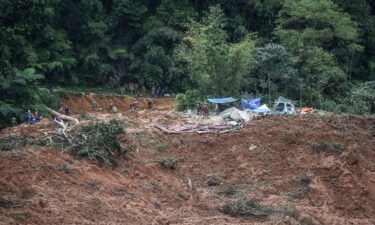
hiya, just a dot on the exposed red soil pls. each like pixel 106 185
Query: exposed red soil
pixel 265 161
pixel 80 104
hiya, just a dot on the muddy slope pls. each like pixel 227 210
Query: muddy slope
pixel 80 104
pixel 274 160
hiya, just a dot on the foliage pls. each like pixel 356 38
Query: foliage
pixel 11 142
pixel 161 147
pixel 182 45
pixel 273 70
pixel 189 100
pixel 253 209
pixel 99 141
pixel 361 99
pixel 325 146
pixel 217 66
pixel 8 143
pixel 325 41
pixel 18 94
pixel 169 163
pixel 229 190
pixel 153 64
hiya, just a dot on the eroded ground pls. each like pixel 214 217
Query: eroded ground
pixel 272 160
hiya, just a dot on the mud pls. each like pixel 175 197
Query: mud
pixel 80 104
pixel 271 160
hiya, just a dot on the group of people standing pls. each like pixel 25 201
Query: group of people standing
pixel 113 109
pixel 134 89
pixel 32 117
pixel 65 109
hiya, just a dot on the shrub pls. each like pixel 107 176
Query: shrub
pixel 213 181
pixel 230 190
pixel 325 146
pixel 170 163
pixel 250 208
pixel 330 106
pixel 99 141
pixel 8 143
pixel 253 209
pixel 189 100
pixel 161 147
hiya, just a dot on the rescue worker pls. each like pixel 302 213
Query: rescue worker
pixel 67 110
pixel 28 117
pixel 143 90
pixel 135 88
pixel 110 106
pixel 37 115
pixel 131 88
pixel 204 110
pixel 122 90
pixel 150 103
pixel 220 108
pixel 93 105
pixel 134 105
pixel 153 91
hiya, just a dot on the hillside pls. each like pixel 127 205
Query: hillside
pixel 300 170
pixel 80 104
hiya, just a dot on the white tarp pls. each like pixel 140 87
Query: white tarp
pixel 262 109
pixel 235 114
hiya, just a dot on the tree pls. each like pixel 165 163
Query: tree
pixel 324 39
pixel 153 63
pixel 217 67
pixel 361 99
pixel 274 69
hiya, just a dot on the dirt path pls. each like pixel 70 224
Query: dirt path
pixel 80 104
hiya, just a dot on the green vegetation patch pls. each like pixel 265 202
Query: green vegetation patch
pixel 161 147
pixel 325 146
pixel 229 190
pixel 99 141
pixel 253 209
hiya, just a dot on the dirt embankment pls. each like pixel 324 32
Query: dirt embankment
pixel 80 104
pixel 322 167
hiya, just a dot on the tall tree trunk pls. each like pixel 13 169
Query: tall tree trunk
pixel 269 89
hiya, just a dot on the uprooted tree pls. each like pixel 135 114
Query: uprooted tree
pixel 93 140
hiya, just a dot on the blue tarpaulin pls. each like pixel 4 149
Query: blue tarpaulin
pixel 248 104
pixel 222 100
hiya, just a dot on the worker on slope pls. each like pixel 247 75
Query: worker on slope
pixel 28 117
pixel 111 106
pixel 37 115
pixel 150 103
pixel 143 91
pixel 67 110
pixel 153 91
pixel 93 105
pixel 134 105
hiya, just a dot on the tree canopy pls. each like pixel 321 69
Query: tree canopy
pixel 325 48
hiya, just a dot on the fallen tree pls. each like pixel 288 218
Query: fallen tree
pixel 59 119
pixel 95 140
pixel 63 117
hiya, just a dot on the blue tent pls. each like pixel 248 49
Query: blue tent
pixel 222 100
pixel 248 104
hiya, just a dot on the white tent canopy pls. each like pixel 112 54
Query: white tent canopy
pixel 236 114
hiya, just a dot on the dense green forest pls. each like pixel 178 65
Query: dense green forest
pixel 320 53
